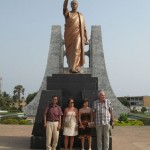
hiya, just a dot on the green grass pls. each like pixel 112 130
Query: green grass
pixel 129 123
pixel 15 121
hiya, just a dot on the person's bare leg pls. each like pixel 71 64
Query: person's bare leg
pixel 82 142
pixel 90 142
pixel 66 142
pixel 71 142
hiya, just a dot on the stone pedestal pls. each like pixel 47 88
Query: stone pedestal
pixel 77 86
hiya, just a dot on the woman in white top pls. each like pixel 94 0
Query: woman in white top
pixel 70 124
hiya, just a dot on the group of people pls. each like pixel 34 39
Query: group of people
pixel 79 123
pixel 76 122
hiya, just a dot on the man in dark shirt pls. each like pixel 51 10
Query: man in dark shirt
pixel 52 123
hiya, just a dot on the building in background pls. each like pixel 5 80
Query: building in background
pixel 146 100
pixel 137 102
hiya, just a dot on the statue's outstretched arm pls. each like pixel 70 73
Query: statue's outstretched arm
pixel 65 10
pixel 65 4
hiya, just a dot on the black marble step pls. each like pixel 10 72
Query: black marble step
pixel 78 77
pixel 70 79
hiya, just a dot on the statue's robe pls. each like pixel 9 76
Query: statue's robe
pixel 74 39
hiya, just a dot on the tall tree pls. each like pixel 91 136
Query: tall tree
pixel 4 101
pixel 18 92
pixel 30 97
pixel 124 101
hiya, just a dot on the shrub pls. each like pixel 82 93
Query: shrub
pixel 9 121
pixel 146 121
pixel 143 109
pixel 123 117
pixel 14 120
pixel 129 123
pixel 24 122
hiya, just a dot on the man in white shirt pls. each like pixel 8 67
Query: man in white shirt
pixel 102 117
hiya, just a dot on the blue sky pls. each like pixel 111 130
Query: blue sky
pixel 25 28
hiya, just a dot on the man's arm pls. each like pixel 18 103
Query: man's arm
pixel 60 115
pixel 112 117
pixel 45 121
pixel 59 123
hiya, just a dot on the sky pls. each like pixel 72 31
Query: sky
pixel 25 29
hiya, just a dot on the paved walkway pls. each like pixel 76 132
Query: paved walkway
pixel 17 137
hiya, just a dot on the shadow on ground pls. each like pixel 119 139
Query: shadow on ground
pixel 14 143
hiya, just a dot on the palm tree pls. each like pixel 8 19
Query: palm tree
pixel 18 91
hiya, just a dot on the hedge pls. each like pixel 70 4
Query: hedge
pixel 15 121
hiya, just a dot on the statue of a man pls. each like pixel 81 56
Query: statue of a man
pixel 75 36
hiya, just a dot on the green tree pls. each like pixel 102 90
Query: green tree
pixel 124 101
pixel 4 101
pixel 6 95
pixel 18 92
pixel 30 97
pixel 143 109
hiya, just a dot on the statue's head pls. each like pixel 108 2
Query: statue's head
pixel 74 4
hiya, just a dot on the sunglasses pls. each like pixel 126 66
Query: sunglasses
pixel 71 102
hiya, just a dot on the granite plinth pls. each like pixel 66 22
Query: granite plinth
pixel 73 85
pixel 77 86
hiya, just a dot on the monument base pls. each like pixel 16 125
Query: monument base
pixel 77 86
pixel 38 142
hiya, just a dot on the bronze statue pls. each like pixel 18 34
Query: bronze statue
pixel 75 36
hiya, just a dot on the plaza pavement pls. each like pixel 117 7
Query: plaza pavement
pixel 17 137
